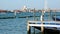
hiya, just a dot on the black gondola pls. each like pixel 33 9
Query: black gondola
pixel 55 18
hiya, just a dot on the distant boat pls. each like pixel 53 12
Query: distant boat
pixel 7 15
pixel 56 18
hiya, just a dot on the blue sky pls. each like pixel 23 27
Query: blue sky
pixel 18 4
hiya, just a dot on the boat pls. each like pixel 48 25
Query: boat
pixel 7 15
pixel 56 18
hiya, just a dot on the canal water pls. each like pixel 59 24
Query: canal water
pixel 18 25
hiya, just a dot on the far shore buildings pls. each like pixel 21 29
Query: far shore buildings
pixel 3 10
pixel 24 9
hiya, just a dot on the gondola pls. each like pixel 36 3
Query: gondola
pixel 56 18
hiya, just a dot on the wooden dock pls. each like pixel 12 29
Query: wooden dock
pixel 42 24
pixel 51 24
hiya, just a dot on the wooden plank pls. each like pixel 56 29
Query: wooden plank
pixel 44 22
pixel 39 25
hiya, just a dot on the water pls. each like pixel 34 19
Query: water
pixel 17 25
pixel 13 26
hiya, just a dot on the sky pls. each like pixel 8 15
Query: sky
pixel 18 4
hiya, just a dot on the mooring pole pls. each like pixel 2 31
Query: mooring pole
pixel 55 14
pixel 49 14
pixel 29 30
pixel 42 19
pixel 34 18
pixel 28 27
pixel 15 13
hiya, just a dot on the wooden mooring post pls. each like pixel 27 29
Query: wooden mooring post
pixel 42 19
pixel 34 18
pixel 28 27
